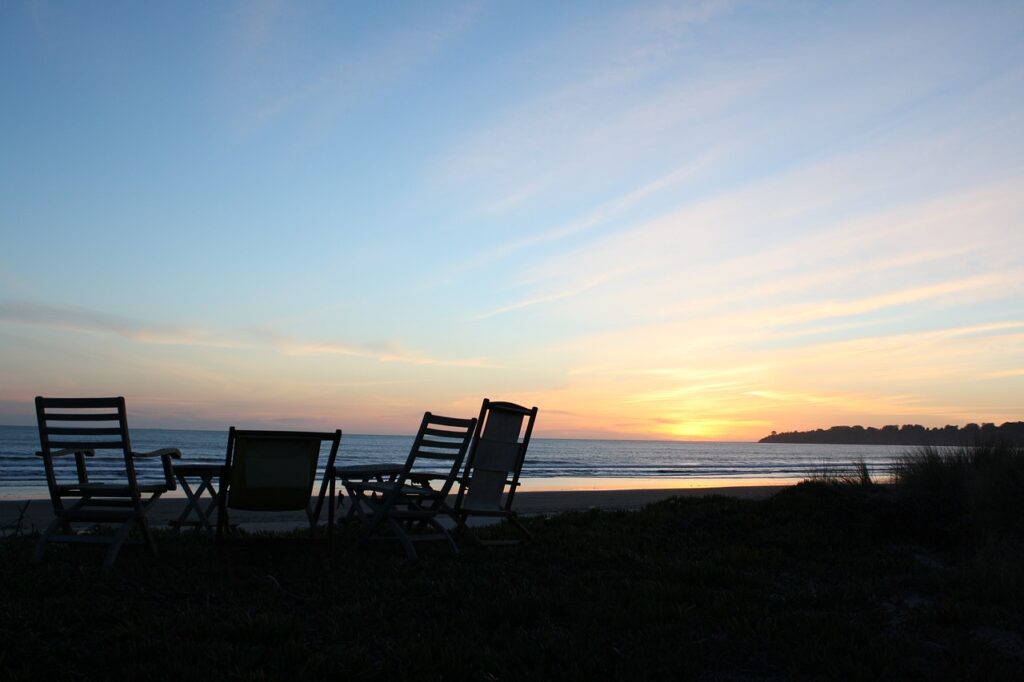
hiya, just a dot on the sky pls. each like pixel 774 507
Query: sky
pixel 687 221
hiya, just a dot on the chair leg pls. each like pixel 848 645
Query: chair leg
pixel 464 531
pixel 330 512
pixel 40 548
pixel 444 531
pixel 379 515
pixel 312 518
pixel 404 539
pixel 115 543
pixel 147 535
pixel 223 520
pixel 522 529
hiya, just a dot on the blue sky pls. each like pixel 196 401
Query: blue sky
pixel 678 220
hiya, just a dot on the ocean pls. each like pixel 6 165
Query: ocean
pixel 551 463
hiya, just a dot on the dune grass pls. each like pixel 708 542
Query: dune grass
pixel 832 474
pixel 965 494
pixel 822 581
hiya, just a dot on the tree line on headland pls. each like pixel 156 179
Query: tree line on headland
pixel 908 434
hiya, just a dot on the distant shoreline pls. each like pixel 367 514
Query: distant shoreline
pixel 908 435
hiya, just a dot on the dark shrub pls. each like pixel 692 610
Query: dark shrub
pixel 963 494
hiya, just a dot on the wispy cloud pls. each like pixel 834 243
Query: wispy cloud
pixel 94 322
pixel 398 355
pixel 601 215
pixel 579 288
pixel 91 321
pixel 689 271
pixel 327 84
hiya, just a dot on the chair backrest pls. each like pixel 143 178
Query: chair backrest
pixel 83 426
pixel 439 449
pixel 495 461
pixel 275 470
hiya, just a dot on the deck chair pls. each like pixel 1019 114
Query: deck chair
pixel 488 483
pixel 275 471
pixel 84 428
pixel 406 506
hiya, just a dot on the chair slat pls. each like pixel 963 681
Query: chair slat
pixel 451 421
pixel 94 417
pixel 446 445
pixel 423 454
pixel 82 431
pixel 87 445
pixel 443 433
pixel 80 403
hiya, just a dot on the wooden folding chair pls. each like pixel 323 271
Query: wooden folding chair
pixel 83 427
pixel 275 471
pixel 405 508
pixel 489 482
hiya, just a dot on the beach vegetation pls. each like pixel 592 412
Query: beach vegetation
pixel 821 581
pixel 963 495
pixel 857 473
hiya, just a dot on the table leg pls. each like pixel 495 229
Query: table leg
pixel 195 504
pixel 182 520
pixel 204 516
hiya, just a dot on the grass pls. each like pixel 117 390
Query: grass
pixel 827 580
pixel 856 474
pixel 964 494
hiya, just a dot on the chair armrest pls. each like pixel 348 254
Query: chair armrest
pixel 165 455
pixel 175 453
pixel 367 471
pixel 67 451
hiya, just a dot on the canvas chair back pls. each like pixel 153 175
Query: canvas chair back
pixel 496 460
pixel 438 450
pixel 275 470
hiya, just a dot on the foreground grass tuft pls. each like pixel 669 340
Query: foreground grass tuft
pixel 966 494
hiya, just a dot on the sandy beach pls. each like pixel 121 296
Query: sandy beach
pixel 39 513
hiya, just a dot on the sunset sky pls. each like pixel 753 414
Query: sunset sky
pixel 652 220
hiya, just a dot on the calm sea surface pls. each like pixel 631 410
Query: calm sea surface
pixel 548 462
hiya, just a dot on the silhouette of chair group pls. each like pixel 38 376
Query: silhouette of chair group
pixel 276 471
pixel 405 502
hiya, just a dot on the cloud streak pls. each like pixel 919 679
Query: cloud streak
pixel 93 322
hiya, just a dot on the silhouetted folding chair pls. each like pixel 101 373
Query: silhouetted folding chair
pixel 275 471
pixel 488 483
pixel 82 427
pixel 408 504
